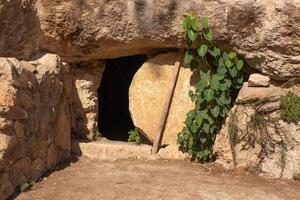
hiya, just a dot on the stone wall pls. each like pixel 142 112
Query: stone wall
pixel 86 79
pixel 35 119
pixel 254 136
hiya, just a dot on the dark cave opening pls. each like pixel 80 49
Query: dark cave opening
pixel 114 116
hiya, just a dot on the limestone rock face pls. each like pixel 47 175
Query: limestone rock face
pixel 265 32
pixel 148 92
pixel 255 138
pixel 86 79
pixel 35 125
pixel 258 80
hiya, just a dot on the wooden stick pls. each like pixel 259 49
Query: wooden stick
pixel 167 105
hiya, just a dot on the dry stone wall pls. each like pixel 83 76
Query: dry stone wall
pixel 35 119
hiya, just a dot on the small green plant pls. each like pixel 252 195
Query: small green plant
pixel 296 175
pixel 136 137
pixel 233 128
pixel 219 75
pixel 290 107
pixel 25 187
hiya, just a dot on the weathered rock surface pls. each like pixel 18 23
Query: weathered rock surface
pixel 255 138
pixel 265 32
pixel 35 119
pixel 148 92
pixel 258 80
pixel 86 79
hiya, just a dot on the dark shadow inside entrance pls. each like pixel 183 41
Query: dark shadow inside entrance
pixel 114 116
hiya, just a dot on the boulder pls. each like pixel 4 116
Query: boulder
pixel 249 94
pixel 265 32
pixel 148 92
pixel 258 80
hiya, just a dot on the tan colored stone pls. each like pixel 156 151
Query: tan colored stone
pixel 232 156
pixel 172 152
pixel 4 140
pixel 148 92
pixel 5 123
pixel 251 94
pixel 87 78
pixel 7 93
pixel 258 80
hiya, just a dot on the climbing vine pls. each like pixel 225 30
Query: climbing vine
pixel 219 76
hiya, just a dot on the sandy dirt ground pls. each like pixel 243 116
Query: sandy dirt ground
pixel 88 179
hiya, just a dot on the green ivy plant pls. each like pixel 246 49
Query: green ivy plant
pixel 136 137
pixel 219 75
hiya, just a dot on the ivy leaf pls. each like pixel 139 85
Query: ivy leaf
pixel 221 62
pixel 215 111
pixel 200 100
pixel 204 114
pixel 239 64
pixel 194 127
pixel 228 63
pixel 204 22
pixel 209 94
pixel 194 24
pixel 222 70
pixel 208 36
pixel 188 121
pixel 215 84
pixel 232 54
pixel 192 35
pixel 202 51
pixel 233 72
pixel 188 57
pixel 191 114
pixel 206 128
pixel 218 76
pixel 191 93
pixel 225 56
pixel 223 87
pixel 228 83
pixel 216 52
pixel 199 119
pixel 200 85
pixel 225 100
pixel 187 23
pixel 204 76
pixel 240 80
pixel 212 129
pixel 192 96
